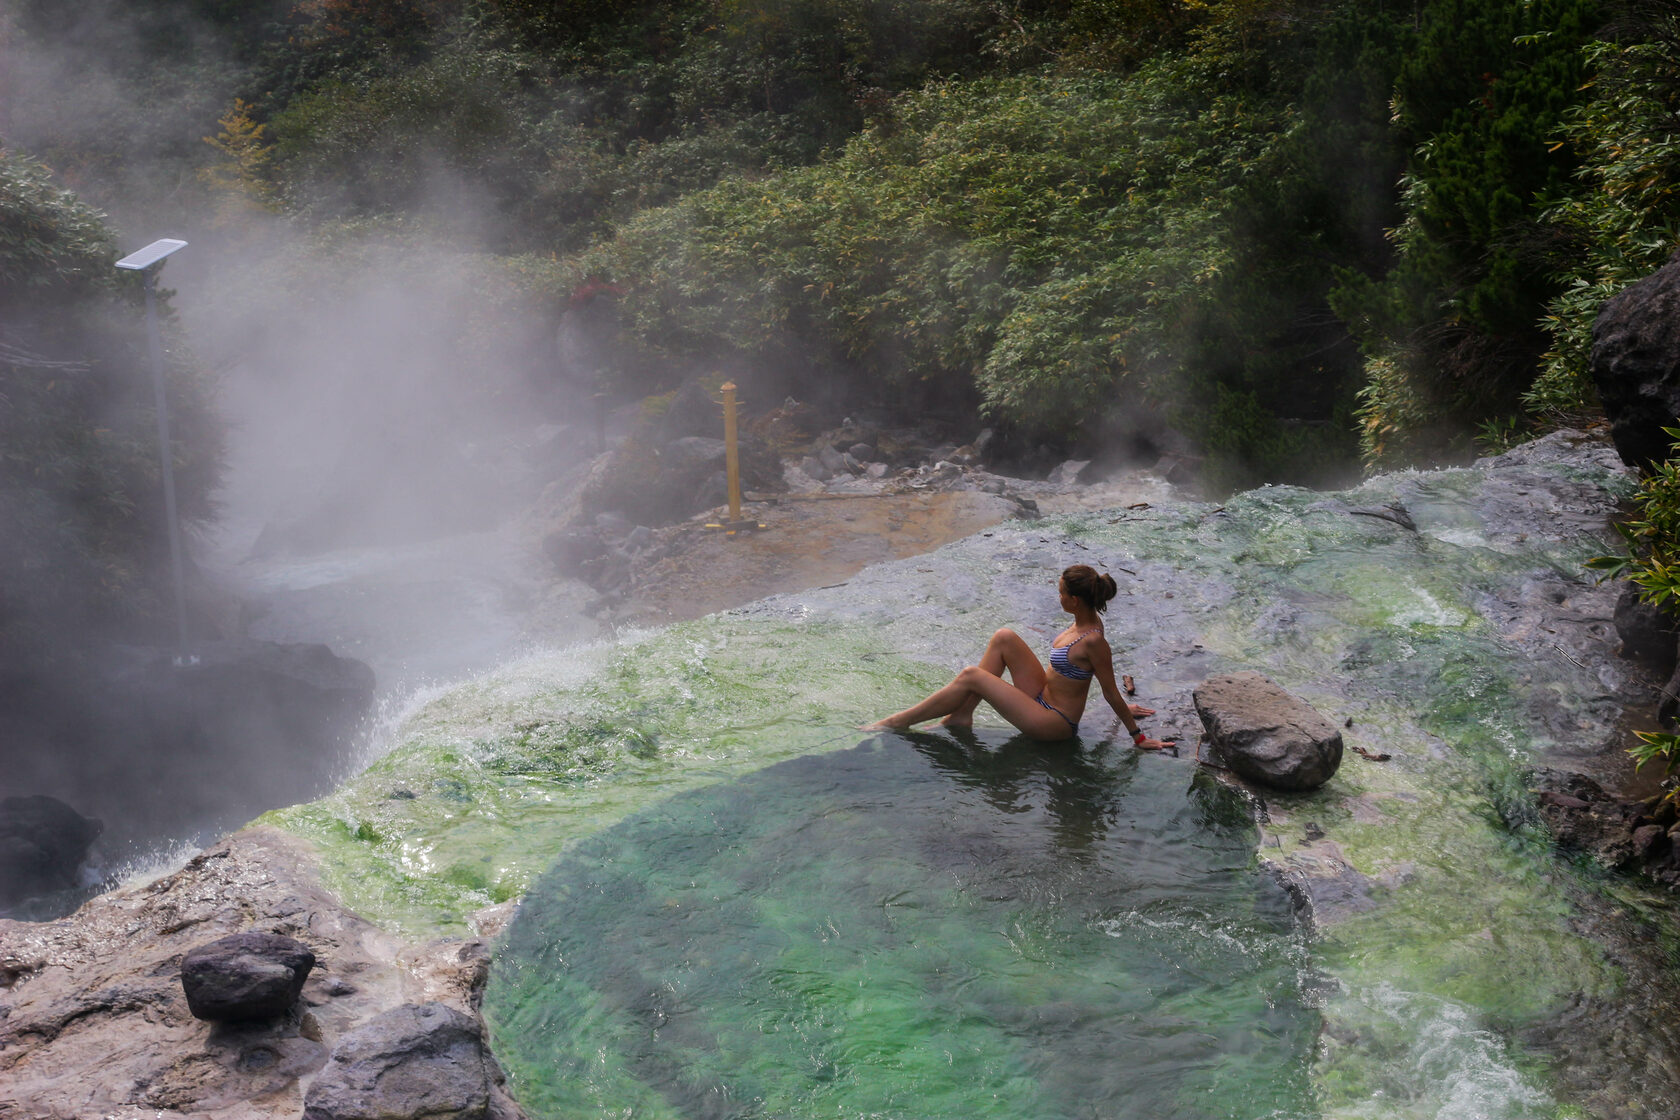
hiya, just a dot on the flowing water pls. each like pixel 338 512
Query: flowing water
pixel 739 906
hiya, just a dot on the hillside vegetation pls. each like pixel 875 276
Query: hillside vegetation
pixel 1306 234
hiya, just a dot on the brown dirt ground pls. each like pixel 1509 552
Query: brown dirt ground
pixel 807 541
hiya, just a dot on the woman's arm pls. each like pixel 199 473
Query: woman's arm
pixel 1102 665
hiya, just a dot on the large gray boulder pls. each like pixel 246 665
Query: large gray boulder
pixel 251 975
pixel 420 1060
pixel 1266 734
pixel 1636 364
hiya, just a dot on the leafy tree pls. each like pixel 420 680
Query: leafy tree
pixel 1040 242
pixel 241 179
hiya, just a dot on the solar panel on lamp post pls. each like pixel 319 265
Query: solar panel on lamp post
pixel 146 262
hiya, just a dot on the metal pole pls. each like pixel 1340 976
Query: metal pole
pixel 731 455
pixel 154 338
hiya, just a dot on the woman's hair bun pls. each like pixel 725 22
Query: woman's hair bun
pixel 1085 583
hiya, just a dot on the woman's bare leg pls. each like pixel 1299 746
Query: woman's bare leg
pixel 941 703
pixel 1006 650
pixel 970 686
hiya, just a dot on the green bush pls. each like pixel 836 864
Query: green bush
pixel 1651 563
pixel 1041 241
pixel 1623 220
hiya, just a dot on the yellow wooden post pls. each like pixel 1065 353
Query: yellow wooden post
pixel 731 453
pixel 732 461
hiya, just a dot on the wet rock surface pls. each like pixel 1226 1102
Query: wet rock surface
pixel 252 975
pixel 833 513
pixel 1619 833
pixel 1267 735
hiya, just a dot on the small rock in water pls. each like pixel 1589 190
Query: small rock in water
pixel 1646 838
pixel 1267 735
pixel 250 975
pixel 416 1061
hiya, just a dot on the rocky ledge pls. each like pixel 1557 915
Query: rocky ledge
pixel 95 1021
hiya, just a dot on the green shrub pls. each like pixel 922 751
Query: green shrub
pixel 1623 220
pixel 1040 240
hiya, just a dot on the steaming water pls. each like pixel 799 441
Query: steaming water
pixel 637 785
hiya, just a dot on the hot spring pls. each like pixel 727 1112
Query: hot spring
pixel 735 904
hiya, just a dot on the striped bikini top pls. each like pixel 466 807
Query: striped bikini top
pixel 1059 659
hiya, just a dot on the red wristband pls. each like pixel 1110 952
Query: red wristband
pixel 1139 737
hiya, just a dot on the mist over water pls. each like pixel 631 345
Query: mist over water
pixel 394 399
pixel 395 416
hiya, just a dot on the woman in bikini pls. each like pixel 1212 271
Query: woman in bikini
pixel 1044 703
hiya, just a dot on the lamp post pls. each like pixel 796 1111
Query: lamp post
pixel 147 262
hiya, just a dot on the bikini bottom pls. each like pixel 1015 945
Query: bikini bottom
pixel 1043 703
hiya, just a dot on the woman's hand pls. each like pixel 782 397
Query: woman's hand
pixel 1139 711
pixel 1148 744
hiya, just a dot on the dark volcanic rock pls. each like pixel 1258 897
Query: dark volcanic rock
pixel 424 1060
pixel 1581 814
pixel 250 975
pixel 1267 735
pixel 1636 364
pixel 42 845
pixel 1647 632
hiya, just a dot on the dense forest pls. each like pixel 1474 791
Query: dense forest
pixel 1304 235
